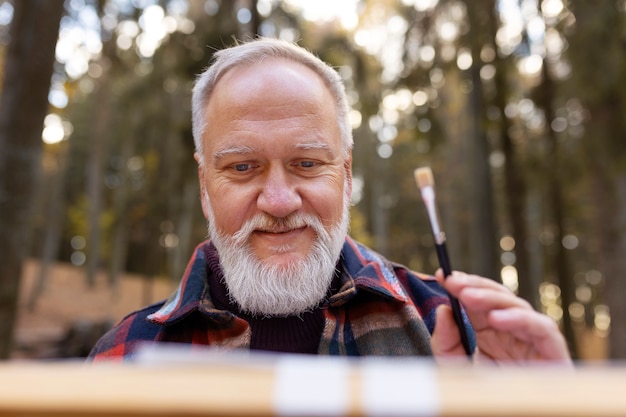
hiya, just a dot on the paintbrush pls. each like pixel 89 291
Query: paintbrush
pixel 426 184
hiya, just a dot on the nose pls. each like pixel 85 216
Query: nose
pixel 279 196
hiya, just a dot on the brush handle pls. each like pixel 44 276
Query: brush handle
pixel 444 262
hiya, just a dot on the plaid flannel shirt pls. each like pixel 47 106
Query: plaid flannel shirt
pixel 381 308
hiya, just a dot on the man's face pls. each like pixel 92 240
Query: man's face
pixel 273 148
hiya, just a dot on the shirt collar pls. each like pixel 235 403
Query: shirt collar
pixel 361 269
pixel 192 293
pixel 369 271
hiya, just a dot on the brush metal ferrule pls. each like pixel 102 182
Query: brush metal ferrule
pixel 428 195
pixel 440 237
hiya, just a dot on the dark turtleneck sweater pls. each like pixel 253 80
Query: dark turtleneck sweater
pixel 293 334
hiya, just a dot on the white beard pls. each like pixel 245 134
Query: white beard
pixel 266 289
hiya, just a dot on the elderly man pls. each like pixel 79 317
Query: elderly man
pixel 280 273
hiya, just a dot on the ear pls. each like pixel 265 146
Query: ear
pixel 204 195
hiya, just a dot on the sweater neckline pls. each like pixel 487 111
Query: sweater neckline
pixel 295 333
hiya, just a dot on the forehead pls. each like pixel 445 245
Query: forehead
pixel 273 97
pixel 271 82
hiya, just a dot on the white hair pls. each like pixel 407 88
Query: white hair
pixel 264 289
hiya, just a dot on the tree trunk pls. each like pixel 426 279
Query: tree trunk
pixel 55 215
pixel 23 107
pixel 608 190
pixel 119 249
pixel 451 185
pixel 98 142
pixel 185 228
pixel 515 190
pixel 556 206
pixel 615 287
pixel 483 233
pixel 600 87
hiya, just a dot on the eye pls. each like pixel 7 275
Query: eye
pixel 308 167
pixel 307 164
pixel 241 167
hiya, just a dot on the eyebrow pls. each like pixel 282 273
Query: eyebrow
pixel 316 146
pixel 313 145
pixel 235 150
pixel 243 150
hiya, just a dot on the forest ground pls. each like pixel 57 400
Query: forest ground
pixel 69 316
pixel 68 306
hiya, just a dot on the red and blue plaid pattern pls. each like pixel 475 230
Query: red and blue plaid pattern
pixel 381 308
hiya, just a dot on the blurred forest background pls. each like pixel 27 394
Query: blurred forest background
pixel 517 105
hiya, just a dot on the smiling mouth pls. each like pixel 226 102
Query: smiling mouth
pixel 281 240
pixel 280 231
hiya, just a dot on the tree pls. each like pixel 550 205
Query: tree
pixel 601 89
pixel 514 182
pixel 483 225
pixel 23 107
pixel 562 267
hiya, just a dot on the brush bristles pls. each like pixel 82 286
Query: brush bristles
pixel 424 177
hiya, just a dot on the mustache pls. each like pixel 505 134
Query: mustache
pixel 268 223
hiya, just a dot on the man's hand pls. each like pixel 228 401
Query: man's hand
pixel 507 328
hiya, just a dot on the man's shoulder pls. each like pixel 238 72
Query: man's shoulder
pixel 120 341
pixel 359 254
pixel 394 280
pixel 372 269
pixel 147 324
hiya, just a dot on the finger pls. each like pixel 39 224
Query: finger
pixel 446 340
pixel 534 328
pixel 485 299
pixel 478 304
pixel 479 292
pixel 459 280
pixel 480 295
pixel 526 324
